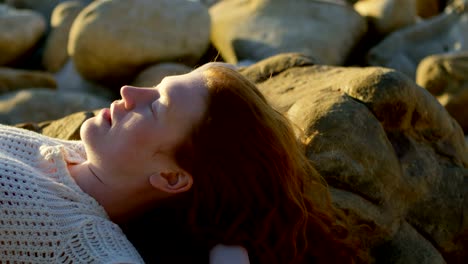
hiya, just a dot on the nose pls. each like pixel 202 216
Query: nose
pixel 132 96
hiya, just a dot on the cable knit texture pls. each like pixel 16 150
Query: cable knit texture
pixel 44 215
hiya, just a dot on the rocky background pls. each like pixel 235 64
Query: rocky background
pixel 379 86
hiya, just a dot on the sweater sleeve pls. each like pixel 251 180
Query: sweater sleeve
pixel 98 240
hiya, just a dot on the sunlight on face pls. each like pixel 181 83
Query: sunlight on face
pixel 123 139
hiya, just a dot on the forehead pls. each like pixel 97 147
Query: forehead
pixel 189 84
pixel 186 95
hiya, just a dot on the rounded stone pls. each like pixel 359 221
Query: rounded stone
pixel 20 30
pixel 114 40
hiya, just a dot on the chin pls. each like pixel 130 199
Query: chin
pixel 91 136
pixel 89 129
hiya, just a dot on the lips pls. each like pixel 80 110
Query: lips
pixel 107 115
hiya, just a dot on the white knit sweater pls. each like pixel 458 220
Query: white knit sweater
pixel 44 215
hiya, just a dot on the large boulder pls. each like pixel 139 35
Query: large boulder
pixel 404 49
pixel 114 40
pixel 257 29
pixel 37 105
pixel 55 53
pixel 20 30
pixel 396 161
pixel 445 77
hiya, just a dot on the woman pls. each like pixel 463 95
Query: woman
pixel 206 142
pixel 59 199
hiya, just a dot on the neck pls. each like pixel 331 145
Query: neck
pixel 120 203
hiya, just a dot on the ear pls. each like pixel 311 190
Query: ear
pixel 172 181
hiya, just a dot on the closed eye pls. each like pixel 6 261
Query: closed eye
pixel 153 111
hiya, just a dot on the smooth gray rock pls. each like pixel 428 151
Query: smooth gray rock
pixel 113 40
pixel 20 30
pixel 55 53
pixel 257 29
pixel 404 49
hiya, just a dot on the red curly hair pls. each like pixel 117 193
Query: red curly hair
pixel 253 185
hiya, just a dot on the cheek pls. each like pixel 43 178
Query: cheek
pixel 141 141
pixel 135 132
pixel 136 153
pixel 144 135
pixel 182 132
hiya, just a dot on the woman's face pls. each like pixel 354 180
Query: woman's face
pixel 138 134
